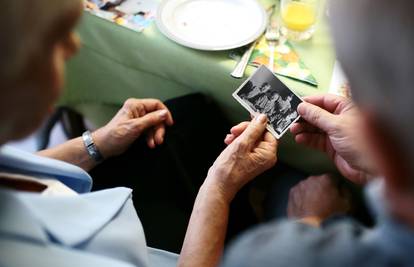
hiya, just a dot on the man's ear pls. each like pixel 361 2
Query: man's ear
pixel 387 152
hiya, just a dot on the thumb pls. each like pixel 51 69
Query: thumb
pixel 317 116
pixel 151 119
pixel 255 129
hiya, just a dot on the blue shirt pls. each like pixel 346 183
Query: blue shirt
pixel 90 229
pixel 341 243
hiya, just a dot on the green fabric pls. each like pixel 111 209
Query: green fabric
pixel 116 63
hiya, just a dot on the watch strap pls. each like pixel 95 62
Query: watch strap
pixel 91 147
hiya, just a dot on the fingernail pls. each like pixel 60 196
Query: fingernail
pixel 301 108
pixel 261 118
pixel 163 114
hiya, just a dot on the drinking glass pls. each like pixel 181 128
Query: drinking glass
pixel 298 18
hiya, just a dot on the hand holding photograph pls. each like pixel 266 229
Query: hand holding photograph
pixel 264 93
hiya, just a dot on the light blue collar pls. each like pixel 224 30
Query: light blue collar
pixel 21 162
pixel 36 217
pixel 17 220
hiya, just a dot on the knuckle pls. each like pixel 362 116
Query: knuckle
pixel 241 145
pixel 335 125
pixel 251 128
pixel 139 127
pixel 302 185
pixel 156 101
pixel 129 102
pixel 140 108
pixel 131 105
pixel 315 116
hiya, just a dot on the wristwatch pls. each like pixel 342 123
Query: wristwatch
pixel 91 147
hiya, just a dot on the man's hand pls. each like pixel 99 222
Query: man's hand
pixel 331 125
pixel 251 151
pixel 317 198
pixel 135 117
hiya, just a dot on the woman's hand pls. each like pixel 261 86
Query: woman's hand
pixel 251 151
pixel 137 116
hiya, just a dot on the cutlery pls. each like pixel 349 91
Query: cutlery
pixel 272 37
pixel 240 68
pixel 238 71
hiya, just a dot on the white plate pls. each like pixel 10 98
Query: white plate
pixel 211 24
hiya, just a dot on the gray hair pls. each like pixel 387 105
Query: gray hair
pixel 375 44
pixel 24 28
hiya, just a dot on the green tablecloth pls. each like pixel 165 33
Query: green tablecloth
pixel 116 63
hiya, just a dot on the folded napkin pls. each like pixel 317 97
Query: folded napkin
pixel 287 64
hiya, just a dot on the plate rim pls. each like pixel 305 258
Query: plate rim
pixel 163 29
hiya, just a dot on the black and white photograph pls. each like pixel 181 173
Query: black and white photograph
pixel 264 93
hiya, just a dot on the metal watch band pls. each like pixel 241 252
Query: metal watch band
pixel 91 147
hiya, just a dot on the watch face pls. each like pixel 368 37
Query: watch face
pixel 87 138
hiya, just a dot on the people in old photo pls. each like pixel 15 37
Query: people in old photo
pixel 265 94
pixel 255 95
pixel 282 114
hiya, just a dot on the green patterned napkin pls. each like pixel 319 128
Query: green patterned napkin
pixel 287 63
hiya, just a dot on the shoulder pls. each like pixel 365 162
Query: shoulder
pixel 290 243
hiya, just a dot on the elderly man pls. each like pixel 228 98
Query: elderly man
pixel 381 129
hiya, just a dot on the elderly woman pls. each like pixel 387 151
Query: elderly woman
pixel 48 217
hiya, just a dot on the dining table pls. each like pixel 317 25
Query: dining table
pixel 116 63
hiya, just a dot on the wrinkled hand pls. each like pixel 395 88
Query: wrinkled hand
pixel 317 197
pixel 330 125
pixel 251 151
pixel 134 118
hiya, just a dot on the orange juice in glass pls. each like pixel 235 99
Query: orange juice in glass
pixel 298 18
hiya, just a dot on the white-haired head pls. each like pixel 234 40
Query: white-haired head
pixel 25 27
pixel 375 42
pixel 35 39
